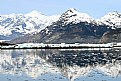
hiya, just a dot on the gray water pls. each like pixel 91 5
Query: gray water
pixel 60 65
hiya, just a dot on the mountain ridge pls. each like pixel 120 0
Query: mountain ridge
pixel 22 24
pixel 71 24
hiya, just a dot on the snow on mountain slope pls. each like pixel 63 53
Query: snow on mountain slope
pixel 15 25
pixel 112 19
pixel 21 24
pixel 72 16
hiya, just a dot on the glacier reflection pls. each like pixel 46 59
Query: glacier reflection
pixel 70 64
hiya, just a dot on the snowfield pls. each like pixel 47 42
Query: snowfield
pixel 22 24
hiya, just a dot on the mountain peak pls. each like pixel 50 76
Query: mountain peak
pixel 112 15
pixel 73 16
pixel 112 19
pixel 72 10
pixel 34 13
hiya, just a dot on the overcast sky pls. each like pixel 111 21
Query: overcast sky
pixel 95 8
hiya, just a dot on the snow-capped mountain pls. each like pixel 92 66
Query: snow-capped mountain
pixel 15 25
pixel 72 16
pixel 112 19
pixel 71 27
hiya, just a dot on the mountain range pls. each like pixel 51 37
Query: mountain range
pixel 69 27
pixel 16 25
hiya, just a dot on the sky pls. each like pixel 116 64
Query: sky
pixel 95 8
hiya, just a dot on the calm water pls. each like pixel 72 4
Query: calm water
pixel 60 65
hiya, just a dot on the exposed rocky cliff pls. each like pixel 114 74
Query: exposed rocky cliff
pixel 111 36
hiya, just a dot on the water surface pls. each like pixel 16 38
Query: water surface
pixel 60 65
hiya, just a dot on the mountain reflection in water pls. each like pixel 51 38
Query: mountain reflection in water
pixel 61 65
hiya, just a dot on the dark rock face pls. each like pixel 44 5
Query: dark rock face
pixel 71 33
pixel 82 32
pixel 111 36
